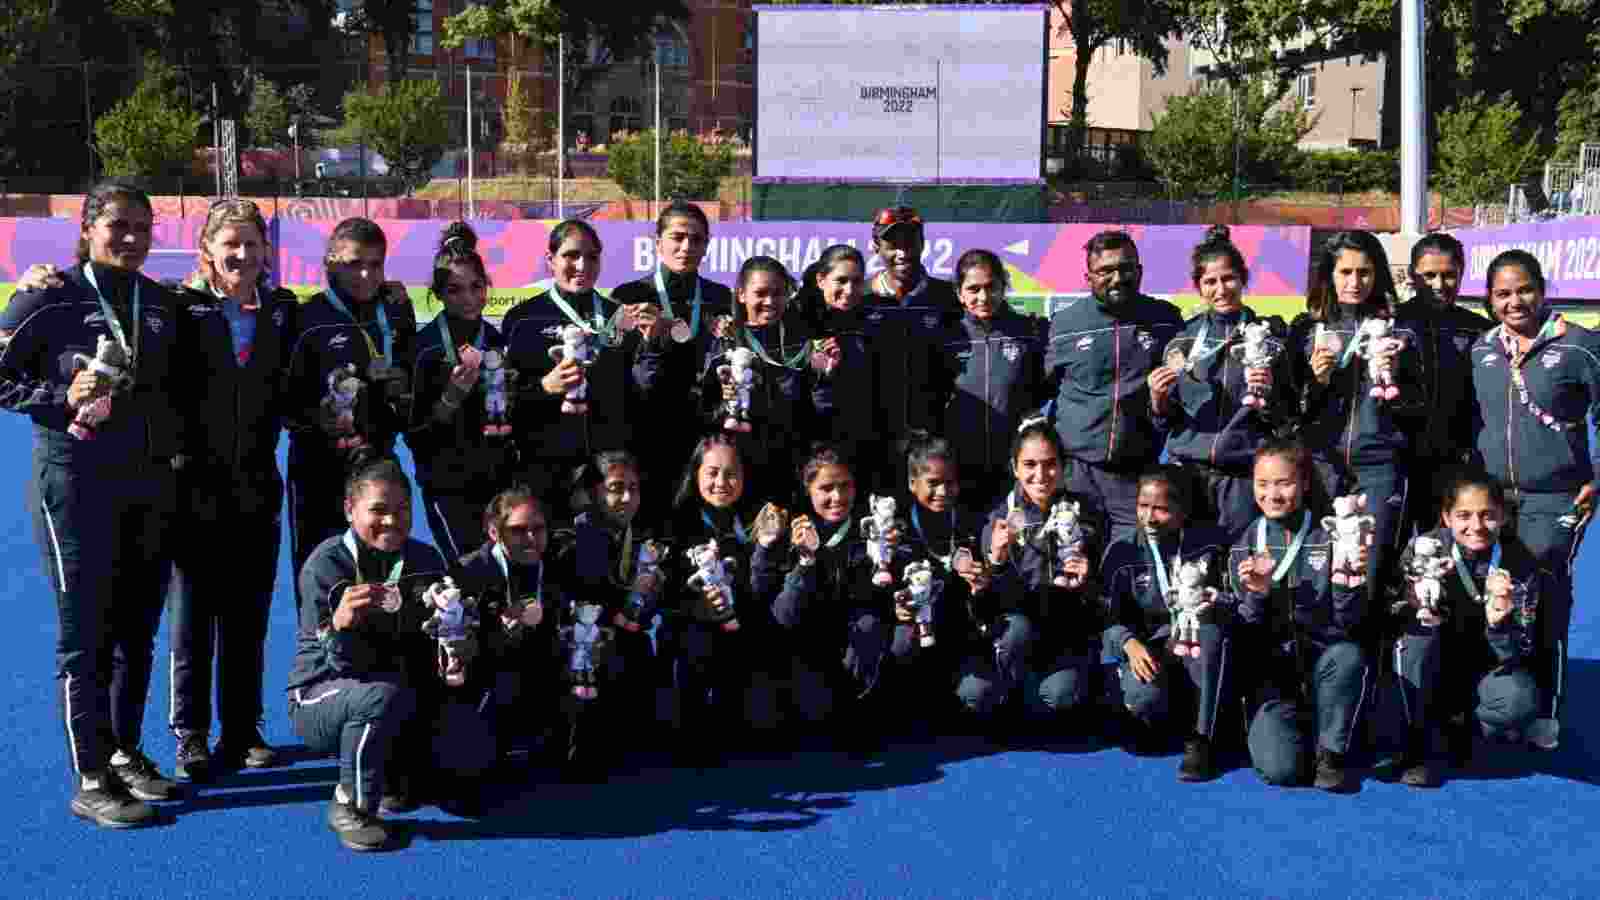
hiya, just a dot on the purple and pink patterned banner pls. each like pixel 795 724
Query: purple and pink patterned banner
pixel 1568 251
pixel 1041 258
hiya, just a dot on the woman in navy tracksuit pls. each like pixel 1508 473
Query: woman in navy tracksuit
pixel 780 413
pixel 997 355
pixel 362 325
pixel 834 621
pixel 102 506
pixel 1537 388
pixel 227 559
pixel 1358 442
pixel 1297 634
pixel 845 392
pixel 674 307
pixel 365 681
pixel 722 655
pixel 552 443
pixel 1197 397
pixel 463 454
pixel 1463 655
pixel 1058 628
pixel 969 615
pixel 1141 575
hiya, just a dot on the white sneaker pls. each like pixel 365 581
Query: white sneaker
pixel 1545 733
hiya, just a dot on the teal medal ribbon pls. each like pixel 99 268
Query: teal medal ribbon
pixel 499 554
pixel 449 343
pixel 1284 564
pixel 385 330
pixel 666 303
pixel 1163 581
pixel 1466 576
pixel 114 323
pixel 600 327
pixel 916 525
pixel 792 362
pixel 739 533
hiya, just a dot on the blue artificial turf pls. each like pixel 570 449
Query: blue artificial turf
pixel 954 818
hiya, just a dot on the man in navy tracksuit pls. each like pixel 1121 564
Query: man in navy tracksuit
pixel 908 315
pixel 997 355
pixel 102 506
pixel 233 493
pixel 1536 378
pixel 1442 435
pixel 359 321
pixel 1100 354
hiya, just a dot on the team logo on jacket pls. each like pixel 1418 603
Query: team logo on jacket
pixel 1488 359
pixel 277 317
pixel 931 320
pixel 553 332
pixel 1011 351
pixel 338 340
pixel 155 323
pixel 1317 560
pixel 94 318
pixel 1141 581
pixel 1550 359
pixel 1396 500
pixel 874 317
pixel 1463 341
pixel 201 311
pixel 1086 342
pixel 1145 338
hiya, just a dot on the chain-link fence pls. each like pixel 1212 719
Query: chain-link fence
pixel 501 156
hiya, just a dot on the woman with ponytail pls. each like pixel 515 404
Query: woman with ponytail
pixel 1216 405
pixel 460 432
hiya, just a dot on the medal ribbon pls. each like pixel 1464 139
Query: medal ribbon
pixel 499 554
pixel 1289 555
pixel 394 571
pixel 1518 359
pixel 1163 581
pixel 450 344
pixel 600 326
pixel 385 330
pixel 739 532
pixel 666 302
pixel 1466 576
pixel 916 525
pixel 114 323
pixel 791 362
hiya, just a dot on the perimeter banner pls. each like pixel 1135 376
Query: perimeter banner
pixel 1568 251
pixel 1042 258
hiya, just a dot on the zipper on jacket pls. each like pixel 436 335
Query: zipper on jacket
pixel 988 417
pixel 1116 385
pixel 1355 404
pixel 1222 412
pixel 1511 464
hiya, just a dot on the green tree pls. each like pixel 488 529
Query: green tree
pixel 690 168
pixel 150 132
pixel 1192 146
pixel 268 117
pixel 1483 148
pixel 1138 25
pixel 405 123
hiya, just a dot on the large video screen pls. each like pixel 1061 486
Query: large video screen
pixel 902 94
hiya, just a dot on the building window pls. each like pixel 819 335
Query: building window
pixel 1306 89
pixel 422 23
pixel 671 51
pixel 626 115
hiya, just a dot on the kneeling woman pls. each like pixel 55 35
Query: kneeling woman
pixel 1044 539
pixel 1466 640
pixel 836 617
pixel 1163 659
pixel 715 632
pixel 365 682
pixel 1302 627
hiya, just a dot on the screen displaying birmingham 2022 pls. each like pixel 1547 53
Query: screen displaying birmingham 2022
pixel 900 94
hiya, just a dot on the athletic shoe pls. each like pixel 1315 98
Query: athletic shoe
pixel 1421 775
pixel 357 830
pixel 1330 772
pixel 397 796
pixel 1545 734
pixel 250 751
pixel 193 759
pixel 1196 764
pixel 143 779
pixel 110 806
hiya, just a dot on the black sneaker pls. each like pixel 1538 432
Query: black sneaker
pixel 1330 772
pixel 357 830
pixel 143 779
pixel 110 806
pixel 250 751
pixel 1196 764
pixel 1421 774
pixel 193 761
pixel 397 796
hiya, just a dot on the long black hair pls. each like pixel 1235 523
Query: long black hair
pixel 1323 298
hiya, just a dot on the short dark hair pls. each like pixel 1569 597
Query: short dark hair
pixel 923 447
pixel 357 231
pixel 564 230
pixel 681 209
pixel 1110 239
pixel 1218 244
pixel 822 454
pixel 1292 450
pixel 1521 259
pixel 1467 481
pixel 1176 483
pixel 1440 243
pixel 379 471
pixel 978 257
pixel 499 509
